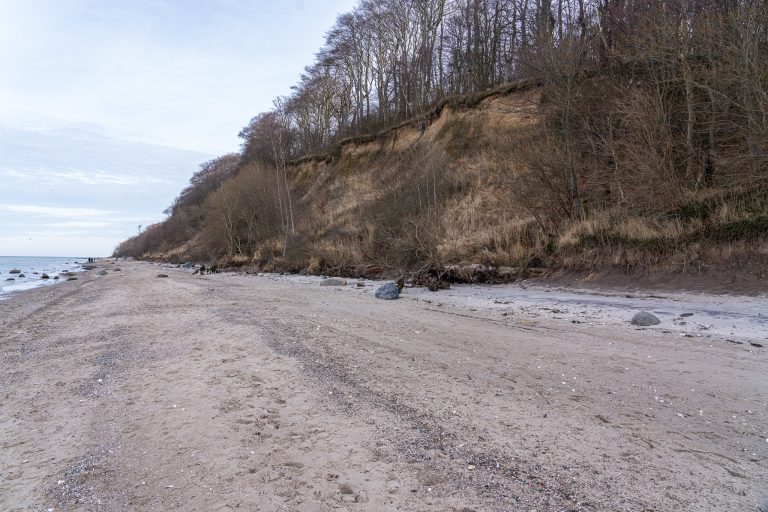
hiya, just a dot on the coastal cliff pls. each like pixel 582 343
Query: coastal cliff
pixel 469 183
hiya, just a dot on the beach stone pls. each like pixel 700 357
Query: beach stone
pixel 71 279
pixel 333 281
pixel 15 271
pixel 436 285
pixel 103 273
pixel 117 270
pixel 10 279
pixel 389 291
pixel 56 278
pixel 45 276
pixel 22 275
pixel 645 319
pixel 162 275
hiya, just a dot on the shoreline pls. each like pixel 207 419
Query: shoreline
pixel 130 391
pixel 732 318
pixel 63 266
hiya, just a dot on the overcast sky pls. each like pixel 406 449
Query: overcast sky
pixel 107 107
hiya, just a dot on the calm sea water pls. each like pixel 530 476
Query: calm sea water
pixel 32 268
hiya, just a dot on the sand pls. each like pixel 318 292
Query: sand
pixel 223 392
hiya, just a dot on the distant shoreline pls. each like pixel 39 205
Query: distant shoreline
pixel 24 273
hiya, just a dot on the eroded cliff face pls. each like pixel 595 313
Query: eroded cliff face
pixel 435 194
pixel 474 190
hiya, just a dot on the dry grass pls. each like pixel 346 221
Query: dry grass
pixel 468 189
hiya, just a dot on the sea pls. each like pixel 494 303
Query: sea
pixel 32 268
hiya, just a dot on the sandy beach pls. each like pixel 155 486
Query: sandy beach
pixel 126 391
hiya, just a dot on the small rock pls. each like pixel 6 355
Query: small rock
pixel 685 315
pixel 389 291
pixel 333 281
pixel 471 467
pixel 645 319
pixel 117 270
pixel 71 279
pixel 22 275
pixel 103 273
pixel 56 278
pixel 435 285
pixel 45 276
pixel 162 275
pixel 15 271
pixel 10 279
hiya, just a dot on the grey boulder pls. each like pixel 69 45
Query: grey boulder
pixel 389 291
pixel 645 319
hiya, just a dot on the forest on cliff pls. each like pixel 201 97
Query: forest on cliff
pixel 577 134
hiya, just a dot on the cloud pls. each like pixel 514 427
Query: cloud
pixel 54 211
pixel 78 176
pixel 58 244
pixel 79 224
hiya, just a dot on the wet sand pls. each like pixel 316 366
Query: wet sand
pixel 131 392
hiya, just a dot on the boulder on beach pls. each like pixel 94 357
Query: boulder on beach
pixel 333 281
pixel 645 319
pixel 45 276
pixel 389 291
pixel 15 271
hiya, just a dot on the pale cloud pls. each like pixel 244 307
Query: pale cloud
pixel 79 224
pixel 78 176
pixel 54 211
pixel 59 244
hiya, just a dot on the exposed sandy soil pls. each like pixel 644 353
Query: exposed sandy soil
pixel 131 392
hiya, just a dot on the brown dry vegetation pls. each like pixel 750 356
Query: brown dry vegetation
pixel 637 139
pixel 467 189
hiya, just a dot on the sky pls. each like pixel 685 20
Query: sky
pixel 107 107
